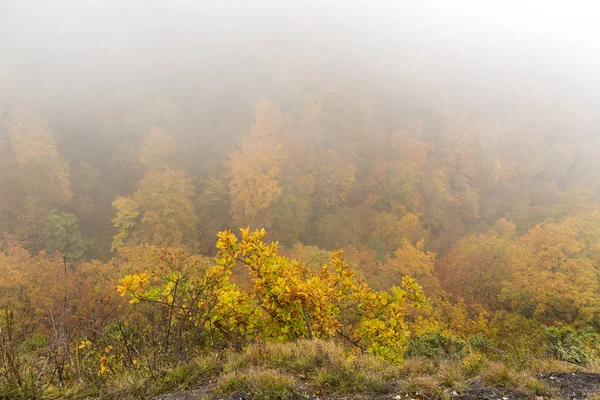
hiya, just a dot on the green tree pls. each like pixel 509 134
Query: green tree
pixel 62 234
pixel 162 209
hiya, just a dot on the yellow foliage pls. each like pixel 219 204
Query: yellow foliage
pixel 298 302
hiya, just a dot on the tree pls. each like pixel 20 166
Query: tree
pixel 62 234
pixel 167 201
pixel 457 146
pixel 391 230
pixel 291 213
pixel 412 260
pixel 311 256
pixel 213 209
pixel 43 171
pixel 32 219
pixel 161 210
pixel 125 221
pixel 478 267
pixel 401 190
pixel 347 226
pixel 10 195
pixel 335 179
pixel 555 271
pixel 268 120
pixel 255 171
pixel 158 150
pixel 438 201
pixel 407 260
pixel 396 176
pixel 406 144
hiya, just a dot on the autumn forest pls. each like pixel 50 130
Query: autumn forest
pixel 418 205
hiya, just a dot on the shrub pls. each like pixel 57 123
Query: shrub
pixel 570 345
pixel 481 343
pixel 436 346
pixel 473 363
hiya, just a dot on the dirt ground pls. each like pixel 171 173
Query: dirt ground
pixel 570 386
pixel 573 385
pixel 491 393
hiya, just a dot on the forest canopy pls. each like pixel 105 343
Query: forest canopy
pixel 219 178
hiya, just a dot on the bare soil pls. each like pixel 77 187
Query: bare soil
pixel 573 385
pixel 570 386
pixel 491 393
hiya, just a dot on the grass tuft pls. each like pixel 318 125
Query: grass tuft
pixel 499 375
pixel 425 387
pixel 537 388
pixel 261 384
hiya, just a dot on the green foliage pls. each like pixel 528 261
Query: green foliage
pixel 538 388
pixel 62 234
pixel 570 345
pixel 436 346
pixel 125 221
pixel 480 342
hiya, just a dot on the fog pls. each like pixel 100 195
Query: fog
pixel 519 80
pixel 117 44
pixel 287 199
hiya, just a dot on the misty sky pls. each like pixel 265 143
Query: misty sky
pixel 80 39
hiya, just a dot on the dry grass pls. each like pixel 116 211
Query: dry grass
pixel 417 367
pixel 452 377
pixel 499 375
pixel 547 365
pixel 321 365
pixel 594 396
pixel 275 371
pixel 425 387
pixel 536 388
pixel 261 384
